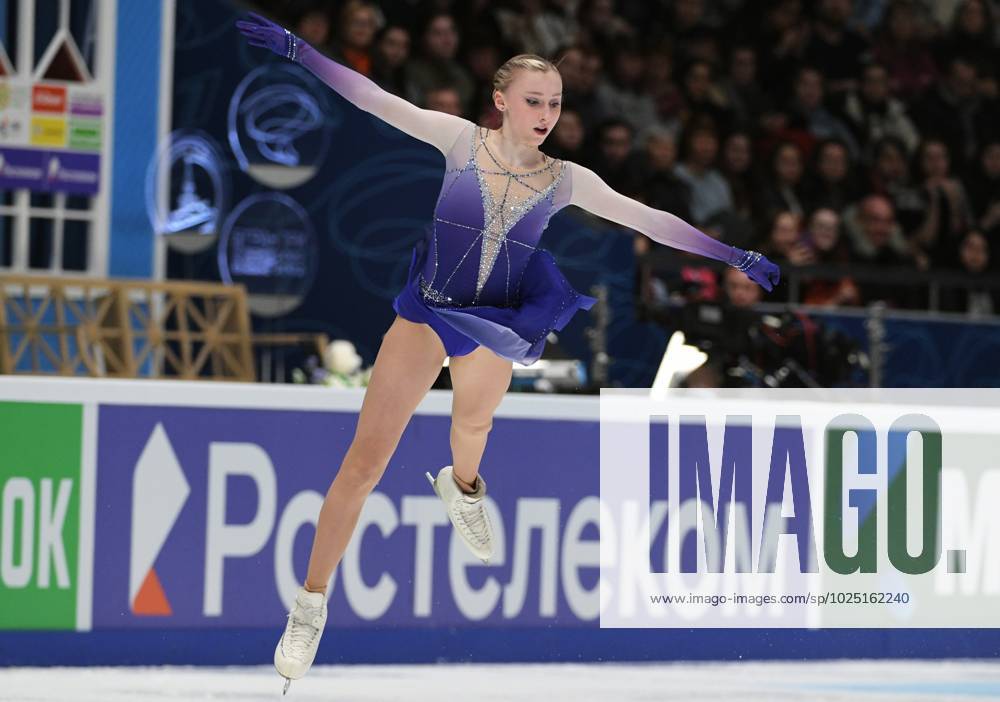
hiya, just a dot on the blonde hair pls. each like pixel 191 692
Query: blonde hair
pixel 527 62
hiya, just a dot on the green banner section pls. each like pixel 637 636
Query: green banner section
pixel 40 466
pixel 85 134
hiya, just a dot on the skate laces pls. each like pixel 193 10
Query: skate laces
pixel 473 515
pixel 304 625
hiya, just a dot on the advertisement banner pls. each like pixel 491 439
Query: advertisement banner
pixel 49 98
pixel 48 131
pixel 85 134
pixel 50 137
pixel 207 514
pixel 15 114
pixel 40 480
pixel 803 509
pixel 181 515
pixel 50 171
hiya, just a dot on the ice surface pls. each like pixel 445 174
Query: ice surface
pixel 614 682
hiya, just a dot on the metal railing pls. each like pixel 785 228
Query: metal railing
pixel 933 282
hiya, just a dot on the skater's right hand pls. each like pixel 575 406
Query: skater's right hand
pixel 262 32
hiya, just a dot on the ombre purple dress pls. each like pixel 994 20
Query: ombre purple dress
pixel 479 276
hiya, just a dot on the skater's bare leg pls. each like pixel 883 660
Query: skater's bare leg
pixel 408 362
pixel 479 381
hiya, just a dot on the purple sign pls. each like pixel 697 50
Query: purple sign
pixel 71 172
pixel 85 108
pixel 205 518
pixel 41 170
pixel 22 168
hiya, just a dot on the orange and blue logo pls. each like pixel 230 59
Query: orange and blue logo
pixel 159 491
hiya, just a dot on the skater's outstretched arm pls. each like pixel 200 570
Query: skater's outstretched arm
pixel 435 128
pixel 594 195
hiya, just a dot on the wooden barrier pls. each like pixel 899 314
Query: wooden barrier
pixel 125 328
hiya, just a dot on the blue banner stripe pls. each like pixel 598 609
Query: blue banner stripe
pixel 489 644
pixel 136 99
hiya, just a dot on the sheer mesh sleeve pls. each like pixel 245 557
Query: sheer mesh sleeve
pixel 437 128
pixel 594 195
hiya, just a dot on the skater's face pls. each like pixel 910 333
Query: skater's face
pixel 531 104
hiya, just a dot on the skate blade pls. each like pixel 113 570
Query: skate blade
pixel 284 690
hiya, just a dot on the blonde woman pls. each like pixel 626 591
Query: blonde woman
pixel 479 290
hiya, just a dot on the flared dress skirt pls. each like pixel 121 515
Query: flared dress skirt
pixel 546 302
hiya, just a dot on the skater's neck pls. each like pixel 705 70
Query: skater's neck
pixel 513 153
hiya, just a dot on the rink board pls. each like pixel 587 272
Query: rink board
pixel 173 524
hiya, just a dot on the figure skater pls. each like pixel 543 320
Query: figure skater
pixel 479 291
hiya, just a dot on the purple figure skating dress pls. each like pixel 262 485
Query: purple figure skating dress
pixel 479 276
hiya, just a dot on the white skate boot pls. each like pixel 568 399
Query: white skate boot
pixel 467 511
pixel 296 649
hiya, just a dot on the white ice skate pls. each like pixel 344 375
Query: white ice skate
pixel 296 649
pixel 467 511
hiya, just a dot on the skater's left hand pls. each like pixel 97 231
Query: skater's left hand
pixel 262 32
pixel 757 267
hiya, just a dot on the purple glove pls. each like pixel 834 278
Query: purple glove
pixel 261 31
pixel 757 267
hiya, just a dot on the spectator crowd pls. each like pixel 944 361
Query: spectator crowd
pixel 852 133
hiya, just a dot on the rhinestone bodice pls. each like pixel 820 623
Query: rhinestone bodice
pixel 487 223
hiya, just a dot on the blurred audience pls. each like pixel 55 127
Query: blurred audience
pixel 783 189
pixel 740 291
pixel 944 203
pixel 873 113
pixel 662 188
pixel 972 297
pixel 614 156
pixel 710 192
pixel 622 94
pixel 828 247
pixel 436 64
pixel 832 182
pixel 807 110
pixel 392 49
pixel 829 133
pixel 901 47
pixel 359 22
pixel 738 169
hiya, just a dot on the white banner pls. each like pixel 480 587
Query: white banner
pixel 792 508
